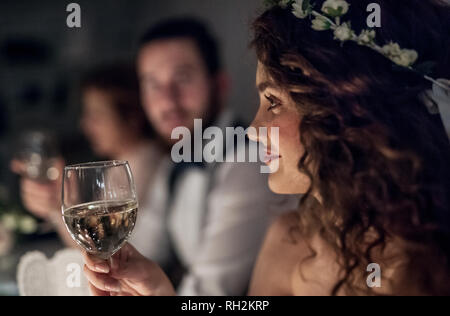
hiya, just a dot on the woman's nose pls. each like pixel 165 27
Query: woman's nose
pixel 252 133
pixel 257 133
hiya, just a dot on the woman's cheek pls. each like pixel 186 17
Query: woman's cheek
pixel 289 134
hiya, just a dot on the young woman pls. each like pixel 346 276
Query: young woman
pixel 115 125
pixel 361 145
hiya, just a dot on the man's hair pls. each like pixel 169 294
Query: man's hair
pixel 190 28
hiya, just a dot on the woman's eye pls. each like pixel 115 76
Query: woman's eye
pixel 274 102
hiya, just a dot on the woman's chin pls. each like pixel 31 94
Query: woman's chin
pixel 279 185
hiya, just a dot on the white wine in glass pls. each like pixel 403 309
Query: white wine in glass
pixel 99 206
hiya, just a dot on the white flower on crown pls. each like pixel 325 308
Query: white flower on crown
pixel 343 32
pixel 402 57
pixel 406 58
pixel 320 24
pixel 366 37
pixel 297 9
pixel 335 8
pixel 391 49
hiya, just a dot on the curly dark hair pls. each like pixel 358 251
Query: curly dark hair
pixel 381 161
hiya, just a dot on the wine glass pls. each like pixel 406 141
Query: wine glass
pixel 37 151
pixel 99 205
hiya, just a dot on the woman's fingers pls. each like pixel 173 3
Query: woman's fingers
pixel 130 274
pixel 115 262
pixel 39 206
pixel 95 264
pixel 127 290
pixel 97 292
pixel 17 166
pixel 34 207
pixel 123 294
pixel 48 190
pixel 102 281
pixel 124 260
pixel 40 199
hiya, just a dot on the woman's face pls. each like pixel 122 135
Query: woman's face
pixel 278 110
pixel 101 124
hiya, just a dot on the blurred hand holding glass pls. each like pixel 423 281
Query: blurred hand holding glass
pixel 99 205
pixel 36 156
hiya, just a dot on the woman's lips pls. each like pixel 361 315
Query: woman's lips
pixel 269 158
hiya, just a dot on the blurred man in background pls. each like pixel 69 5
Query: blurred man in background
pixel 211 217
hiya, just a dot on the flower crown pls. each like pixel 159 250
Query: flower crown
pixel 330 19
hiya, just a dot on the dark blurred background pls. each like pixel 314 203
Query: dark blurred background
pixel 41 59
pixel 41 64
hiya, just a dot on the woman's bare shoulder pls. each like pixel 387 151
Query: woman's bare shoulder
pixel 311 264
pixel 277 260
pixel 292 264
pixel 282 224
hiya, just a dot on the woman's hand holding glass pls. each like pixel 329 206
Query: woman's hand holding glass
pixel 128 273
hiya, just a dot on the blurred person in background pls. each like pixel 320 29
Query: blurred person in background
pixel 114 123
pixel 210 218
